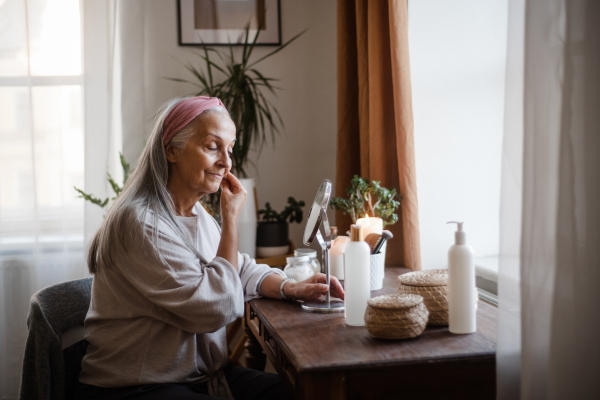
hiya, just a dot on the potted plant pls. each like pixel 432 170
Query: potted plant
pixel 368 200
pixel 272 233
pixel 241 91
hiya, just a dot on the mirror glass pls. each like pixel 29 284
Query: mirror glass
pixel 314 216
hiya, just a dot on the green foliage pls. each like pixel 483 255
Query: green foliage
pixel 115 186
pixel 241 92
pixel 269 215
pixel 126 168
pixel 370 199
pixel 91 198
pixel 292 211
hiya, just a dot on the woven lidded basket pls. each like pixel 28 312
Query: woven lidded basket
pixel 432 285
pixel 396 316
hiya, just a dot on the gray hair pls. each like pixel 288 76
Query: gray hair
pixel 145 190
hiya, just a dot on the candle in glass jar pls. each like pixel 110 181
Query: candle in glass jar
pixel 370 225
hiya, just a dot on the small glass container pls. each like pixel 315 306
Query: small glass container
pixel 298 268
pixel 312 254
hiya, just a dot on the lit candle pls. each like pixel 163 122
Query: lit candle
pixel 370 225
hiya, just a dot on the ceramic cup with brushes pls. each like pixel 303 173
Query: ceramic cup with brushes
pixel 376 242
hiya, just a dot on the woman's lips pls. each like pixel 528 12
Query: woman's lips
pixel 216 176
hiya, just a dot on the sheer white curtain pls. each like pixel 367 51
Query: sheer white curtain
pixel 550 215
pixel 56 110
pixel 41 159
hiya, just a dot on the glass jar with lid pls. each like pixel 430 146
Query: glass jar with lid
pixel 312 255
pixel 298 268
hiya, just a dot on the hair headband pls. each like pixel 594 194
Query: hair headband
pixel 184 112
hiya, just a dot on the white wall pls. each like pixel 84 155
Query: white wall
pixel 457 59
pixel 457 52
pixel 305 155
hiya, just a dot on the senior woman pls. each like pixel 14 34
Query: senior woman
pixel 168 279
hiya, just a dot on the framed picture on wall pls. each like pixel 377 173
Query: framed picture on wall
pixel 219 22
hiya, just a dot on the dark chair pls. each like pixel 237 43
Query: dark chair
pixel 51 371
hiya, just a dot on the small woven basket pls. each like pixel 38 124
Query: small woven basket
pixel 396 316
pixel 432 285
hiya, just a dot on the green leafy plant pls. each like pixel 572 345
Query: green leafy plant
pixel 241 91
pixel 114 185
pixel 292 211
pixel 370 199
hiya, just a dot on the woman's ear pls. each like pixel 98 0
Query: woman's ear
pixel 172 153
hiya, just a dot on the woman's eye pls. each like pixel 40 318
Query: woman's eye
pixel 212 148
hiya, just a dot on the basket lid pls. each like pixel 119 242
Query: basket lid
pixel 430 277
pixel 395 301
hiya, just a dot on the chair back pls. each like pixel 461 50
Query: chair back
pixel 48 373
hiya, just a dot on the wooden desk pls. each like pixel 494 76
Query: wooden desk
pixel 320 357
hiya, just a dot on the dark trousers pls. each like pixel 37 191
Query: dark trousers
pixel 244 383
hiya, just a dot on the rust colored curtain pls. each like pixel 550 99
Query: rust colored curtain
pixel 375 123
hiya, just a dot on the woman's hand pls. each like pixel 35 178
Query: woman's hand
pixel 312 288
pixel 233 196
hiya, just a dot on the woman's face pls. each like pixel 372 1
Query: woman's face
pixel 198 168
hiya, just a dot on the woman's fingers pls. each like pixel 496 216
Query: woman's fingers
pixel 234 184
pixel 224 183
pixel 232 197
pixel 308 291
pixel 315 287
pixel 312 288
pixel 336 288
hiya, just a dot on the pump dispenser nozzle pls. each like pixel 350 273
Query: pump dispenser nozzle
pixel 459 235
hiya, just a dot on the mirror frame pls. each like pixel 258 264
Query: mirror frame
pixel 320 207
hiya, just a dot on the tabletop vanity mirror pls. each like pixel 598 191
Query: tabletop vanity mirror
pixel 317 217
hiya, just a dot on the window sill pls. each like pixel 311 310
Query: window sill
pixel 486 278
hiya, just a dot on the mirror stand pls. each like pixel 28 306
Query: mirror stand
pixel 327 306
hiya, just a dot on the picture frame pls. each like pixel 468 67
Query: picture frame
pixel 220 22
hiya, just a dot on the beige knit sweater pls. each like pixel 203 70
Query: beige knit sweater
pixel 154 321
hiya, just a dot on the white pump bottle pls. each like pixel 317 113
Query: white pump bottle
pixel 461 284
pixel 357 282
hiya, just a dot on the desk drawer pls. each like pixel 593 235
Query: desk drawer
pixel 273 351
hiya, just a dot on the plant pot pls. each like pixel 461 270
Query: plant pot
pixel 272 239
pixel 247 221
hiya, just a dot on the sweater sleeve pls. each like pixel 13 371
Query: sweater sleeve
pixel 252 275
pixel 191 296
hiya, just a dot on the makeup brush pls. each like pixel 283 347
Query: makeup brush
pixel 385 235
pixel 372 239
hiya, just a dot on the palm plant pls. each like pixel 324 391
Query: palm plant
pixel 241 91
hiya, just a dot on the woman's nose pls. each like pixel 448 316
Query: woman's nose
pixel 225 160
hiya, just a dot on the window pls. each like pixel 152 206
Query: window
pixel 41 129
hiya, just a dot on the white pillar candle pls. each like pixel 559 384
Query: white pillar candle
pixel 336 257
pixel 370 225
